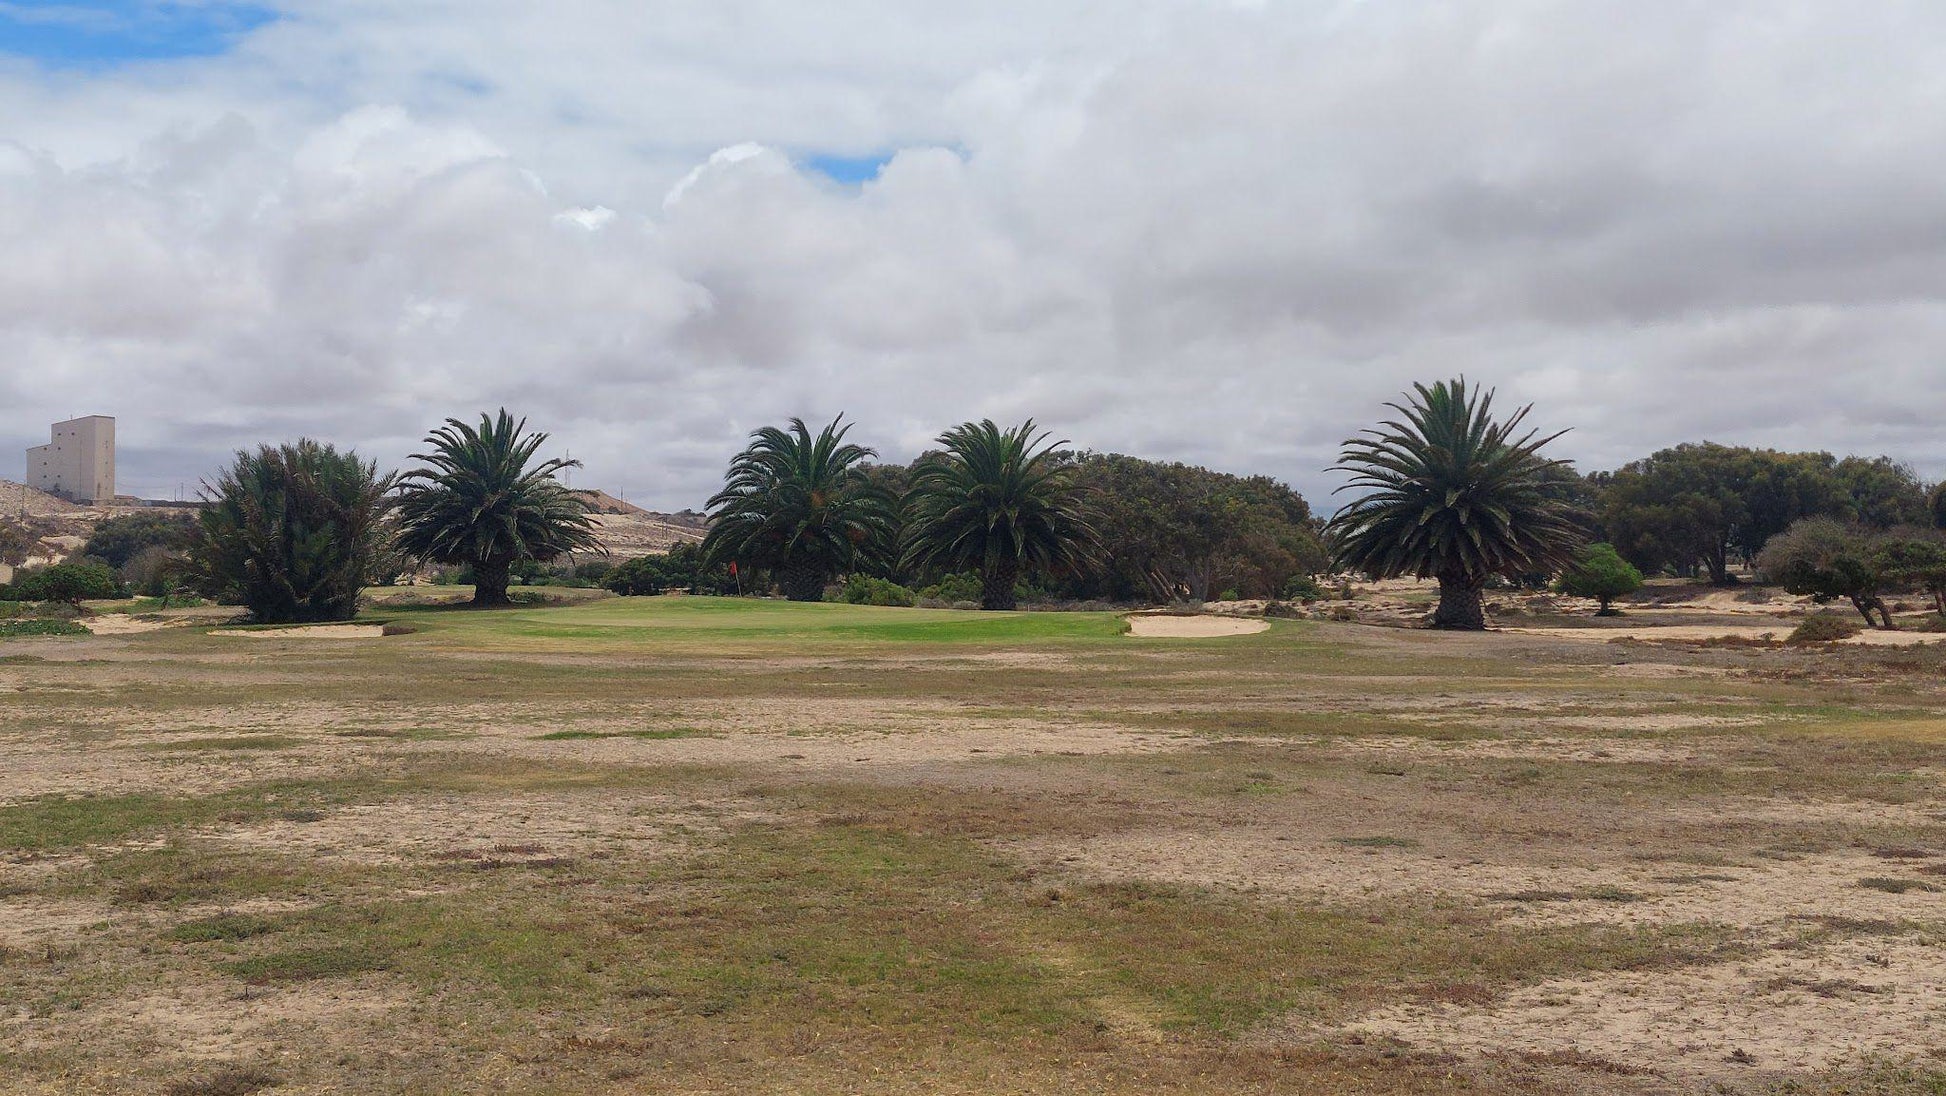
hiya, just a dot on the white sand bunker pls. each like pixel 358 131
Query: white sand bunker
pixel 308 631
pixel 121 625
pixel 1159 626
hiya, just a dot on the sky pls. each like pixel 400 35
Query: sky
pixel 1215 231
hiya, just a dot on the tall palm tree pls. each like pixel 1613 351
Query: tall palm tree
pixel 481 504
pixel 1453 495
pixel 800 506
pixel 997 501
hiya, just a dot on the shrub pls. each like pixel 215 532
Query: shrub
pixel 963 586
pixel 1303 588
pixel 120 539
pixel 642 576
pixel 290 532
pixel 865 590
pixel 1601 574
pixel 1932 622
pixel 40 627
pixel 1824 627
pixel 68 582
pixel 17 542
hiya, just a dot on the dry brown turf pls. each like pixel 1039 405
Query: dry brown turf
pixel 683 845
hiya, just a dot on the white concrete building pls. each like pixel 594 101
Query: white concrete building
pixel 78 464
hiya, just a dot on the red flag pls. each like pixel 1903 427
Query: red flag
pixel 733 569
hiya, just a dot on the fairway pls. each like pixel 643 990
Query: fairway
pixel 690 845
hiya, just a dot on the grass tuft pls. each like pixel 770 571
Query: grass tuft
pixel 228 1080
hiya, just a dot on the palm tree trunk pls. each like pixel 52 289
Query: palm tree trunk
pixel 490 584
pixel 997 584
pixel 803 582
pixel 1459 604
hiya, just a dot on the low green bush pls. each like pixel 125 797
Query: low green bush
pixel 1824 627
pixel 865 590
pixel 68 582
pixel 10 629
pixel 1302 588
pixel 964 586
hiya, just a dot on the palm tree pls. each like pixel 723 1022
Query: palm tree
pixel 1453 495
pixel 999 502
pixel 290 532
pixel 480 504
pixel 800 506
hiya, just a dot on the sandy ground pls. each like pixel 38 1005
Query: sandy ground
pixel 309 631
pixel 123 624
pixel 1873 637
pixel 1784 1008
pixel 1159 626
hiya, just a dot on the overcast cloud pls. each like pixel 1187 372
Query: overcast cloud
pixel 1215 232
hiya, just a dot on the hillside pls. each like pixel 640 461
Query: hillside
pixel 626 530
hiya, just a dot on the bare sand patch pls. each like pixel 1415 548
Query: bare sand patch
pixel 1661 670
pixel 1162 626
pixel 27 921
pixel 212 1022
pixel 121 624
pixel 506 830
pixel 1573 886
pixel 1871 637
pixel 308 631
pixel 1660 631
pixel 1807 1009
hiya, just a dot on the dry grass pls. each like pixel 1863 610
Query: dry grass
pixel 703 846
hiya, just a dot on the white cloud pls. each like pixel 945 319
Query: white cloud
pixel 1210 231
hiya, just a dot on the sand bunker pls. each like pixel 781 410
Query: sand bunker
pixel 308 631
pixel 121 625
pixel 1192 627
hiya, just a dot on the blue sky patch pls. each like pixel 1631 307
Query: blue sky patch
pixel 103 33
pixel 850 170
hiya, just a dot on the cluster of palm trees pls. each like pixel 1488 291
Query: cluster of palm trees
pixel 293 532
pixel 997 501
pixel 1449 492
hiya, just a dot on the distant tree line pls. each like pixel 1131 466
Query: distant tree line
pixel 998 514
pixel 1446 489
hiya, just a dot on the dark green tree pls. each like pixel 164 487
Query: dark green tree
pixel 1601 574
pixel 1916 558
pixel 1171 531
pixel 1707 505
pixel 120 539
pixel 1937 502
pixel 800 506
pixel 1827 559
pixel 1884 493
pixel 484 502
pixel 1455 495
pixel 1001 502
pixel 680 568
pixel 290 532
